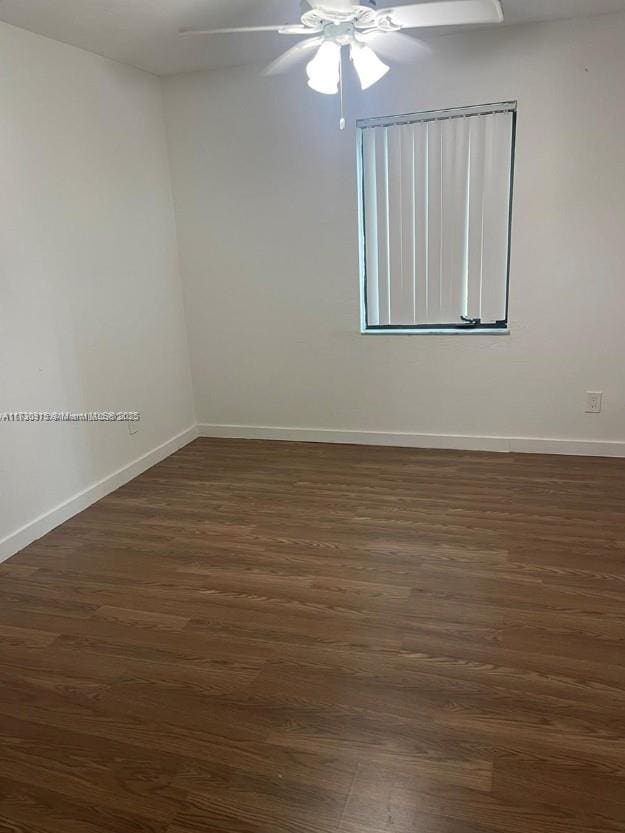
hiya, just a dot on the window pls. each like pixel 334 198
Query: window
pixel 435 220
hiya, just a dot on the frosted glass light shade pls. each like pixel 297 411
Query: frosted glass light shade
pixel 324 70
pixel 369 67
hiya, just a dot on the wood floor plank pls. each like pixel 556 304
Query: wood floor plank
pixel 591 793
pixel 109 773
pixel 26 637
pixel 142 618
pixel 383 799
pixel 260 637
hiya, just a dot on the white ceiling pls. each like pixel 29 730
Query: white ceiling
pixel 144 33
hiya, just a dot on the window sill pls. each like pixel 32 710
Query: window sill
pixel 477 331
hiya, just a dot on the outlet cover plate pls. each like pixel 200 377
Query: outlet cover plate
pixel 594 401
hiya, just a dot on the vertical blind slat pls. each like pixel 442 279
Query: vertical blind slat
pixel 476 218
pixel 407 304
pixel 420 216
pixel 455 212
pixel 496 219
pixel 370 196
pixel 449 218
pixel 435 220
pixel 399 312
pixel 381 156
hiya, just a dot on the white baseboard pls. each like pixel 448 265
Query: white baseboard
pixel 573 448
pixel 521 445
pixel 21 538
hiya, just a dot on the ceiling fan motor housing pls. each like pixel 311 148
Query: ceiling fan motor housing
pixel 341 24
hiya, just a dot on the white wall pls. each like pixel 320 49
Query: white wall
pixel 265 193
pixel 91 314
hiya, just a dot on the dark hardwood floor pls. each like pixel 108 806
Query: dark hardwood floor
pixel 265 637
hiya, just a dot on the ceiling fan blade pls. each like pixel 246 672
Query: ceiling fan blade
pixel 395 46
pixel 445 13
pixel 285 27
pixel 292 56
pixel 300 29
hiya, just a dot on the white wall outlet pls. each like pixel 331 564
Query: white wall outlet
pixel 594 402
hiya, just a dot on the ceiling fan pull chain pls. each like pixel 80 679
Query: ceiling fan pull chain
pixel 342 119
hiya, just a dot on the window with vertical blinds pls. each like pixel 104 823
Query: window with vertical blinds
pixel 436 201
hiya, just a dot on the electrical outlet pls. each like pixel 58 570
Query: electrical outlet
pixel 133 428
pixel 594 402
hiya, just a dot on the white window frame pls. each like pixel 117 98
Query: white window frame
pixel 500 328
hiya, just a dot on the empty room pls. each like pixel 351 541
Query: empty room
pixel 312 416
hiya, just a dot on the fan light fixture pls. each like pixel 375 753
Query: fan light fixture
pixel 330 25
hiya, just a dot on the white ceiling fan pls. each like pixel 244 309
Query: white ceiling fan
pixel 331 25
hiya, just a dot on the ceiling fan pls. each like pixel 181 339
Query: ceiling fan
pixel 330 25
